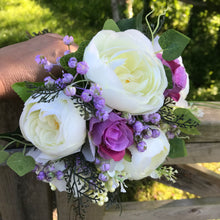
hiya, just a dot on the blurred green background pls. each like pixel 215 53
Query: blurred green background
pixel 198 19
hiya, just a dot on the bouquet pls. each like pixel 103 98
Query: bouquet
pixel 115 113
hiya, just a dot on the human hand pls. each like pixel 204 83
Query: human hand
pixel 18 64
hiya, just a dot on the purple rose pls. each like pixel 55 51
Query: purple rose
pixel 111 136
pixel 179 77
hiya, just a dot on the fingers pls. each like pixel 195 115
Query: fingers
pixel 18 61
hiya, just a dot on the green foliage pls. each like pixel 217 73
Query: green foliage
pixel 23 91
pixel 177 148
pixel 169 77
pixel 173 43
pixel 111 25
pixel 3 156
pixel 21 164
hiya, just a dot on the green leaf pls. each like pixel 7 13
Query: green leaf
pixel 125 24
pixel 21 89
pixel 127 157
pixel 173 43
pixel 3 156
pixel 186 121
pixel 21 164
pixel 78 55
pixel 177 148
pixel 111 25
pixel 169 77
pixel 138 21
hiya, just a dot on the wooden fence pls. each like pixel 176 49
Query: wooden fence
pixel 25 198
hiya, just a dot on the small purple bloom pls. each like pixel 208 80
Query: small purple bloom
pixel 96 89
pixel 59 175
pixel 99 102
pixel 68 40
pixel 48 66
pixel 138 127
pixel 146 118
pixel 141 146
pixel 97 161
pixel 48 81
pixel 41 60
pixel 58 60
pixel 70 91
pixel 50 176
pixel 86 95
pixel 38 59
pixel 147 133
pixel 72 62
pixel 154 118
pixel 155 133
pixel 67 78
pixel 59 82
pixel 102 115
pixel 82 68
pixel 66 52
pixel 103 178
pixel 105 167
pixel 170 135
pixel 112 136
pixel 41 175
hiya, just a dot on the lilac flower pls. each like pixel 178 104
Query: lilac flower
pixel 41 60
pixel 131 119
pixel 49 176
pixel 147 133
pixel 97 161
pixel 138 127
pixel 48 81
pixel 102 115
pixel 103 178
pixel 105 167
pixel 86 95
pixel 67 52
pixel 72 62
pixel 70 90
pixel 58 60
pixel 68 40
pixel 82 68
pixel 41 175
pixel 99 102
pixel 155 133
pixel 96 89
pixel 170 135
pixel 59 175
pixel 48 66
pixel 59 82
pixel 67 78
pixel 154 118
pixel 141 146
pixel 146 118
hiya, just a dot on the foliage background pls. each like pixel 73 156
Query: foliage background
pixel 198 19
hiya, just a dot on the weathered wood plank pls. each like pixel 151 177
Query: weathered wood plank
pixel 23 198
pixel 187 209
pixel 198 153
pixel 195 179
pixel 65 211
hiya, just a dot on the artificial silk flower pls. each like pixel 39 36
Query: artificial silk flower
pixel 55 128
pixel 125 66
pixel 144 163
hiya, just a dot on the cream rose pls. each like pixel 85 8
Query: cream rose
pixel 144 163
pixel 55 128
pixel 125 66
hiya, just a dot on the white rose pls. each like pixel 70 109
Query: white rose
pixel 55 128
pixel 144 163
pixel 125 66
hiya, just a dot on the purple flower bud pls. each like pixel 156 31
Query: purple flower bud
pixel 97 161
pixel 141 146
pixel 102 115
pixel 41 175
pixel 103 178
pixel 155 133
pixel 68 40
pixel 105 167
pixel 41 60
pixel 59 175
pixel 147 133
pixel 48 66
pixel 48 81
pixel 58 60
pixel 82 68
pixel 138 126
pixel 146 118
pixel 38 59
pixel 154 118
pixel 49 176
pixel 131 119
pixel 170 135
pixel 96 89
pixel 60 83
pixel 70 90
pixel 72 62
pixel 99 102
pixel 67 78
pixel 66 52
pixel 86 96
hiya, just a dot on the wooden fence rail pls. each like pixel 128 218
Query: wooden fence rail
pixel 25 198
